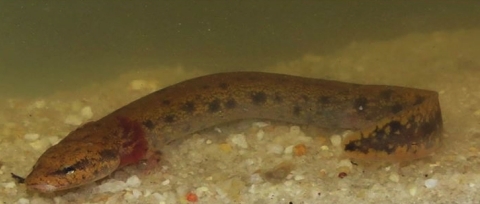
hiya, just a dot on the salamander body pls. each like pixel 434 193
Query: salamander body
pixel 388 122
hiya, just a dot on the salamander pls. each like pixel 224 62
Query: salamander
pixel 387 122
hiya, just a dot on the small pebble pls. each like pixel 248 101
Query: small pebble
pixel 86 112
pixel 256 178
pixel 112 186
pixel 394 177
pixel 23 201
pixel 31 136
pixel 133 181
pixel 53 140
pixel 261 124
pixel 166 182
pixel 336 140
pixel 202 190
pixel 138 84
pixel 260 134
pixel 9 185
pixel 477 112
pixel 298 177
pixel 347 133
pixel 73 120
pixel 133 195
pixel 412 190
pixel 39 144
pixel 226 147
pixel 147 193
pixel 345 163
pixel 136 193
pixel 295 130
pixel 431 183
pixel 40 104
pixel 239 140
pixel 300 150
pixel 159 197
pixel 115 198
pixel 274 148
pixel 288 150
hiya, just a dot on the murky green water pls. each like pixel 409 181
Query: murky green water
pixel 45 47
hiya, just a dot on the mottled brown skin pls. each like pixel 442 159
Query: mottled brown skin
pixel 388 122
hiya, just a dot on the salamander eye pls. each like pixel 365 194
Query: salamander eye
pixel 68 170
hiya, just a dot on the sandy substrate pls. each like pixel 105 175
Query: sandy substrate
pixel 258 161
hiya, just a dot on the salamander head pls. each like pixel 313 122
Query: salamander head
pixel 71 163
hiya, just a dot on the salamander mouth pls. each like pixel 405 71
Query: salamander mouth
pixel 47 187
pixel 44 188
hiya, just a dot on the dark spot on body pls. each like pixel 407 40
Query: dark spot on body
pixel 231 103
pixel 354 146
pixel 223 85
pixel 259 98
pixel 366 145
pixel 305 98
pixel 108 155
pixel 278 98
pixel 386 94
pixel 381 140
pixel 438 118
pixel 297 110
pixel 189 107
pixel 166 102
pixel 418 100
pixel 395 126
pixel 360 104
pixel 205 86
pixel 169 118
pixel 281 115
pixel 310 120
pixel 149 124
pixel 397 108
pixel 252 78
pixel 428 128
pixel 324 100
pixel 186 128
pixel 214 106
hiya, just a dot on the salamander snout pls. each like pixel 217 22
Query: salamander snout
pixel 70 164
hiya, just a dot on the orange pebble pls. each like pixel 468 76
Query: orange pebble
pixel 192 197
pixel 300 150
pixel 342 175
pixel 226 147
